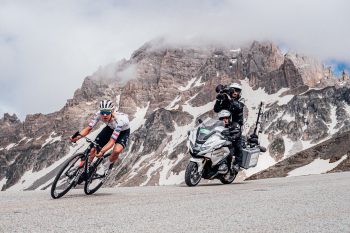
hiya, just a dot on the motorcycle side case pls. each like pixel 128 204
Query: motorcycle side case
pixel 250 157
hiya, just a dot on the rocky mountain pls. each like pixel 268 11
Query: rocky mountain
pixel 164 89
pixel 332 155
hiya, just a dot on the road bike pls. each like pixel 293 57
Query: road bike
pixel 72 173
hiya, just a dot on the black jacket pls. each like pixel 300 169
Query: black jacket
pixel 232 105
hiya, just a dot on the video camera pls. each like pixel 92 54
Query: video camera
pixel 223 89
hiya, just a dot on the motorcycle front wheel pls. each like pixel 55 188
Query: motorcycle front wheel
pixel 192 175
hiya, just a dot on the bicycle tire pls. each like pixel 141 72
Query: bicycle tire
pixel 93 176
pixel 68 164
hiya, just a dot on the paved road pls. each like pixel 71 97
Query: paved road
pixel 319 203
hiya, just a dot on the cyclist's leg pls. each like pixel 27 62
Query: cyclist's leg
pixel 117 149
pixel 102 139
pixel 92 154
pixel 119 146
pixel 91 157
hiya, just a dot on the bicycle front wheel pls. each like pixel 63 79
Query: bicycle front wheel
pixel 66 177
pixel 95 181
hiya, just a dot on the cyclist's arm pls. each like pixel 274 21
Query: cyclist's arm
pixel 82 134
pixel 85 131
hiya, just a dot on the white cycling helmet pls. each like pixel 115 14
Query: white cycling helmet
pixel 106 105
pixel 224 113
pixel 236 86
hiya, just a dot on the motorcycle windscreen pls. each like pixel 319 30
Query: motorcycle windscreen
pixel 207 128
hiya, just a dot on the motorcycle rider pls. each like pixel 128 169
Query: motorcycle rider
pixel 233 134
pixel 116 133
pixel 228 99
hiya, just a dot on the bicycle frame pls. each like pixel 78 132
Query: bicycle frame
pixel 87 156
pixel 79 174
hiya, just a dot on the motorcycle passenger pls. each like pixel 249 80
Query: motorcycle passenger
pixel 228 99
pixel 115 134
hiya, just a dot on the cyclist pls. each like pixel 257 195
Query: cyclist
pixel 116 133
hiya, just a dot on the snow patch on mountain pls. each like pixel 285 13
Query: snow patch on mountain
pixel 347 108
pixel 117 102
pixel 291 147
pixel 331 126
pixel 254 97
pixel 197 111
pixel 178 136
pixel 22 140
pixel 235 50
pixel 28 140
pixel 141 147
pixel 143 160
pixel 139 119
pixel 188 86
pixel 51 139
pixel 155 165
pixel 199 83
pixel 166 176
pixel 30 177
pixel 318 166
pixel 163 167
pixel 11 145
pixel 288 117
pixel 172 105
pixel 233 61
pixel 2 182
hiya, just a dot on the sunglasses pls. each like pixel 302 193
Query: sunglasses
pixel 223 118
pixel 236 90
pixel 105 112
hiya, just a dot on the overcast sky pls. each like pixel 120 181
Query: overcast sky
pixel 47 48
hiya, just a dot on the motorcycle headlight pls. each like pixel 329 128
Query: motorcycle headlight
pixel 204 147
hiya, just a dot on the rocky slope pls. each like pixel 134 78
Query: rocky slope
pixel 334 152
pixel 165 90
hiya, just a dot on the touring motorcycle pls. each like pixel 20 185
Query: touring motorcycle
pixel 209 147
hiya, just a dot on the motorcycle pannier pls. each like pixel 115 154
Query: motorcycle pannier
pixel 250 157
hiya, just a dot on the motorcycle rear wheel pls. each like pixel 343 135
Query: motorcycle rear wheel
pixel 192 176
pixel 229 177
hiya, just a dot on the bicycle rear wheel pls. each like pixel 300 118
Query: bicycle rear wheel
pixel 66 177
pixel 95 181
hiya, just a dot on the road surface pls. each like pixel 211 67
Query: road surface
pixel 317 203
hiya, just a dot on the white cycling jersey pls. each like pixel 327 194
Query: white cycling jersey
pixel 118 123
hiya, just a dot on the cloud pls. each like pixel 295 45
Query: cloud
pixel 113 71
pixel 48 47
